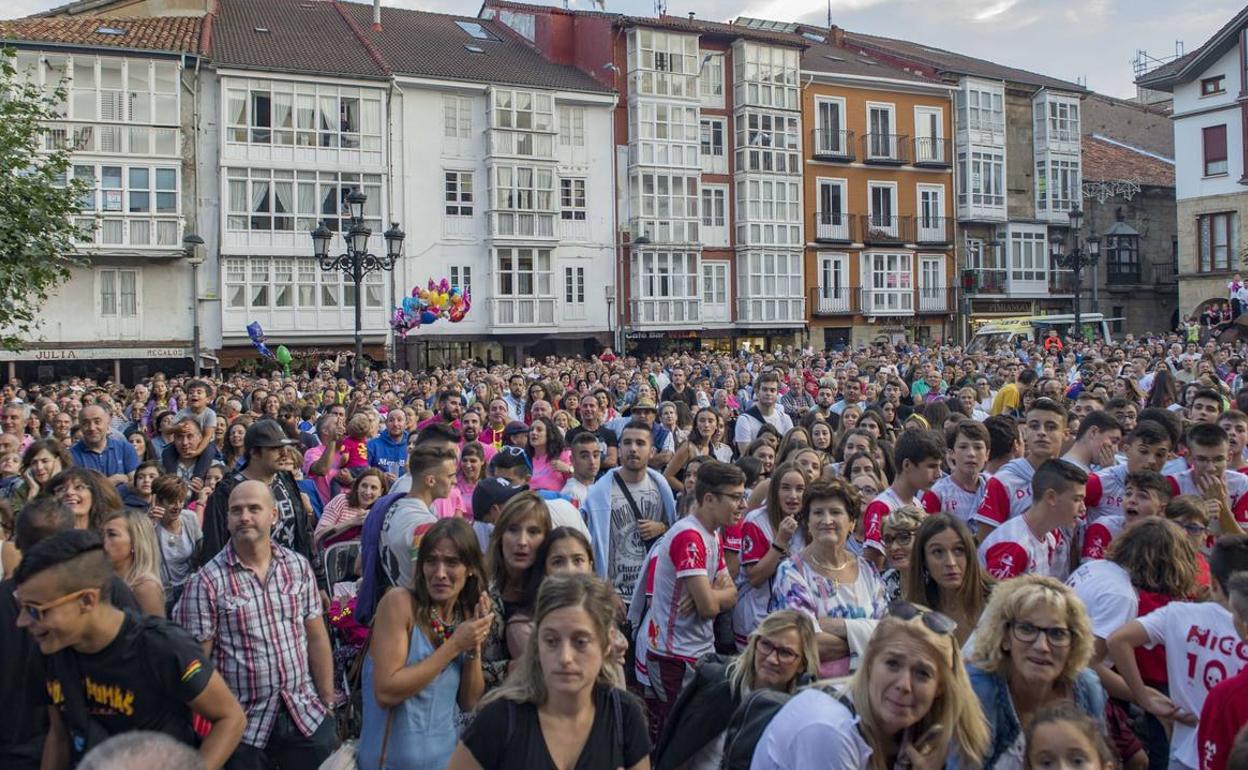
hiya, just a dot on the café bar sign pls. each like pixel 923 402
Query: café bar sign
pixel 91 353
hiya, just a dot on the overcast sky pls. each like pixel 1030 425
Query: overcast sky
pixel 1095 40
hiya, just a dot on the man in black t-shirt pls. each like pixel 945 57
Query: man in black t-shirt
pixel 591 422
pixel 679 390
pixel 109 671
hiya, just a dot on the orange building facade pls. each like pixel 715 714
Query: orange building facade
pixel 878 198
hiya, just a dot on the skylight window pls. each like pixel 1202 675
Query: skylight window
pixel 261 30
pixel 833 58
pixel 815 36
pixel 474 49
pixel 110 31
pixel 474 30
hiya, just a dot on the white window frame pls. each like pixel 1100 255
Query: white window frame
pixel 571 125
pixel 139 214
pixel 573 285
pixel 461 276
pixel 832 225
pixel 311 190
pixel 769 211
pixel 714 155
pixel 875 220
pixel 987 165
pixel 244 279
pixel 456 117
pixel 931 223
pixel 510 281
pixel 989 119
pixel 715 215
pixel 663 213
pixel 837 289
pixel 662 63
pixel 768 142
pixel 112 301
pixel 765 76
pixel 930 149
pixel 882 149
pixel 711 79
pixel 459 198
pixel 313 117
pixel 664 134
pixel 881 298
pixel 668 274
pixel 715 282
pixel 1052 195
pixel 933 293
pixel 1028 254
pixel 831 140
pixel 572 199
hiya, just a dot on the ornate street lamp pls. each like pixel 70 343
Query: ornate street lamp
pixel 1076 259
pixel 356 262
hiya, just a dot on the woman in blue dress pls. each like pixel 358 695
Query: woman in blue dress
pixel 424 657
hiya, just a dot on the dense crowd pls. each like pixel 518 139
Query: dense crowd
pixel 1031 556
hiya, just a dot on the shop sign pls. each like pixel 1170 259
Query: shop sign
pixel 89 354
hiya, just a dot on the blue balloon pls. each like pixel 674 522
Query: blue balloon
pixel 428 317
pixel 409 304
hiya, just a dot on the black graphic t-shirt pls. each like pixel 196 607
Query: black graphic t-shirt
pixel 143 680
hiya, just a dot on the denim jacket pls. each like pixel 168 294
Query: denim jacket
pixel 994 697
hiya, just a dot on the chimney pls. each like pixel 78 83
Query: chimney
pixel 836 35
pixel 691 16
pixel 376 15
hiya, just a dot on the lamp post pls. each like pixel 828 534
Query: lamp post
pixel 609 293
pixel 356 262
pixel 1076 259
pixel 190 245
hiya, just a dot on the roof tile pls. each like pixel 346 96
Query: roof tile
pixel 289 36
pixel 157 33
pixel 1105 161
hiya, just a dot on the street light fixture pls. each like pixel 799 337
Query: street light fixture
pixel 190 245
pixel 609 293
pixel 356 262
pixel 1076 259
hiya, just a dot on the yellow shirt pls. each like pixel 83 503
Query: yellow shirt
pixel 1008 398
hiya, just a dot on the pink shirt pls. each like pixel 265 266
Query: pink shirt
pixel 546 477
pixel 453 506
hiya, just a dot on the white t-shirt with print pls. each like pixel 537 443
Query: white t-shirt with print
pixel 1012 549
pixel 956 500
pixel 688 550
pixel 1202 650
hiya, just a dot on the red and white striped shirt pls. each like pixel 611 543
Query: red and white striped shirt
pixel 1008 495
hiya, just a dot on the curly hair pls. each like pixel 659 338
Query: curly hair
pixel 1012 600
pixel 1158 557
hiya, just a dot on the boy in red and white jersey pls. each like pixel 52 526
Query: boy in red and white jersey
pixel 917 457
pixel 1208 447
pixel 1096 442
pixel 1031 543
pixel 691 586
pixel 1145 449
pixel 1147 493
pixel 1008 494
pixel 963 490
pixel 1235 423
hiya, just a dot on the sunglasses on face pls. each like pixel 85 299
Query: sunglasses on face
pixel 936 622
pixel 37 612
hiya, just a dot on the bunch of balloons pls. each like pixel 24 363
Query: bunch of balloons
pixel 427 305
pixel 281 355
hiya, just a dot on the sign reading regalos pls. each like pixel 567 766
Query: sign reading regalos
pixel 86 354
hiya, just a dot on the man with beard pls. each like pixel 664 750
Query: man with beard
pixel 591 422
pixel 450 405
pixel 628 510
pixel 515 397
pixel 470 432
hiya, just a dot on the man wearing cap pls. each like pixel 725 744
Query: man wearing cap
pixel 514 428
pixel 262 446
pixel 488 499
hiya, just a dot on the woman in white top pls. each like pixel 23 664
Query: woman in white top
pixel 909 704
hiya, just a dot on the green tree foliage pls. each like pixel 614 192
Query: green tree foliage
pixel 38 204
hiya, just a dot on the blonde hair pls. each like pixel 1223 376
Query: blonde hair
pixel 1014 599
pixel 907 518
pixel 740 671
pixel 956 708
pixel 145 551
pixel 527 681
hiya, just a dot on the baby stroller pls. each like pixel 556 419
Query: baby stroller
pixel 347 637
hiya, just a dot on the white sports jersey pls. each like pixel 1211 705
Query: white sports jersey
pixel 1098 535
pixel 1236 489
pixel 1008 494
pixel 1012 549
pixel 687 550
pixel 1105 492
pixel 956 500
pixel 878 510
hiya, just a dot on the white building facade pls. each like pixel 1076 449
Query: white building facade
pixel 126 120
pixel 1211 167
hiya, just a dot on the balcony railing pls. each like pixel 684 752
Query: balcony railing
pixel 886 228
pixel 835 227
pixel 833 144
pixel 933 230
pixel 885 148
pixel 653 312
pixel 989 282
pixel 936 299
pixel 834 300
pixel 931 151
pixel 1165 272
pixel 766 310
pixel 1139 274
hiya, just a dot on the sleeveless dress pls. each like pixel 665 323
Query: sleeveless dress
pixel 423 734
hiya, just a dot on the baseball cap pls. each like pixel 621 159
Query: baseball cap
pixel 514 428
pixel 491 492
pixel 265 433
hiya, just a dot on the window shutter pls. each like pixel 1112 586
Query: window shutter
pixel 1215 144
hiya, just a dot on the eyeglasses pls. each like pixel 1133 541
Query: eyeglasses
pixel 1194 529
pixel 903 539
pixel 765 649
pixel 1027 633
pixel 36 612
pixel 936 622
pixel 744 497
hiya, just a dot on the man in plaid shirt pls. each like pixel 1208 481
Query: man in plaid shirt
pixel 256 610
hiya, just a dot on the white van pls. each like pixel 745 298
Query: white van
pixel 1009 332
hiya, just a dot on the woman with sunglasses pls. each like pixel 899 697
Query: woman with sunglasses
pixel 897 536
pixel 780 656
pixel 1032 650
pixel 909 704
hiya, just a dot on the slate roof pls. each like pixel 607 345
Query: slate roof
pixel 961 64
pixel 433 45
pixel 158 33
pixel 847 61
pixel 302 36
pixel 1173 72
pixel 1105 160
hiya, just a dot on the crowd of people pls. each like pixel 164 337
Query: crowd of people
pixel 870 557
